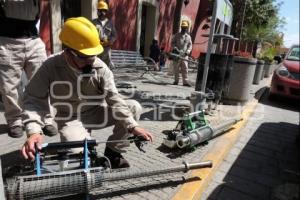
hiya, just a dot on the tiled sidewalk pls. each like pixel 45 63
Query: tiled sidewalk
pixel 151 91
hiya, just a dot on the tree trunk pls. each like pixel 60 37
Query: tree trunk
pixel 177 16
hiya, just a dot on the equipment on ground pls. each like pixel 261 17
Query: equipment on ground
pixel 57 172
pixel 194 129
pixel 125 85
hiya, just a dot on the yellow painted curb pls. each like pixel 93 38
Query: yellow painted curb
pixel 193 190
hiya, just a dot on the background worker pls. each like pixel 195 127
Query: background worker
pixel 155 53
pixel 107 32
pixel 182 46
pixel 94 101
pixel 20 49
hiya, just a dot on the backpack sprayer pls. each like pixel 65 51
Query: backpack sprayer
pixel 57 172
pixel 194 129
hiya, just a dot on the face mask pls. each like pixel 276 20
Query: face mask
pixel 88 69
pixel 101 14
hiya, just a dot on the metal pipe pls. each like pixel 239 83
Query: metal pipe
pixel 219 129
pixel 195 137
pixel 182 58
pixel 181 168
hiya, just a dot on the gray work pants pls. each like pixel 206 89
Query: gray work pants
pixel 17 55
pixel 105 56
pixel 180 66
pixel 78 128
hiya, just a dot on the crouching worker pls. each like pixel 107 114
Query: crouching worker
pixel 81 87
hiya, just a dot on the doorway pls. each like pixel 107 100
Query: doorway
pixel 70 8
pixel 147 27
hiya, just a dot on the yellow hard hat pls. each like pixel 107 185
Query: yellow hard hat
pixel 80 34
pixel 185 23
pixel 102 5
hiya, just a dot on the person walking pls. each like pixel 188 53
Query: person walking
pixel 155 53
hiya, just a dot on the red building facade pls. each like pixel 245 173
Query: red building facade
pixel 126 22
pixel 138 22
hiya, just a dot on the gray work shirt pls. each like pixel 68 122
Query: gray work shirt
pixel 106 29
pixel 71 93
pixel 183 42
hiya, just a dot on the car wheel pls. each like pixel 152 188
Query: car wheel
pixel 272 96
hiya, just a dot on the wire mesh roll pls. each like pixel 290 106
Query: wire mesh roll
pixel 54 185
pixel 79 181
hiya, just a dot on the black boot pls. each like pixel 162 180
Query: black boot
pixel 116 159
pixel 187 85
pixel 50 130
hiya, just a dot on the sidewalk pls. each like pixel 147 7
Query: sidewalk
pixel 155 90
pixel 264 162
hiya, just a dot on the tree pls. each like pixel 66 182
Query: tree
pixel 177 16
pixel 257 13
pixel 265 33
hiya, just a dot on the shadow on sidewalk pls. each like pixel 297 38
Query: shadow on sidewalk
pixel 268 167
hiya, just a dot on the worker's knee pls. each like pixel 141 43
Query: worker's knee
pixel 74 131
pixel 135 107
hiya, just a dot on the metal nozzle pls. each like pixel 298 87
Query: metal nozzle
pixel 183 142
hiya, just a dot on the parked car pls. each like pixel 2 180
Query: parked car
pixel 286 78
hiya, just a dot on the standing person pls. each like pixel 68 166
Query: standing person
pixel 20 49
pixel 162 58
pixel 155 53
pixel 182 45
pixel 107 32
pixel 83 88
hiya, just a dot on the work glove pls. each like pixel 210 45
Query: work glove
pixel 176 50
pixel 106 43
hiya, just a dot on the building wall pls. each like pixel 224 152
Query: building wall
pixel 126 22
pixel 123 14
pixel 165 23
pixel 45 25
pixel 197 12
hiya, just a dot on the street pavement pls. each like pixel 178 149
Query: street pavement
pixel 157 96
pixel 264 163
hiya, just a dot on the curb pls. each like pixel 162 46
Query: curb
pixel 193 190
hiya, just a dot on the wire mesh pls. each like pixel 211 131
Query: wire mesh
pixel 67 183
